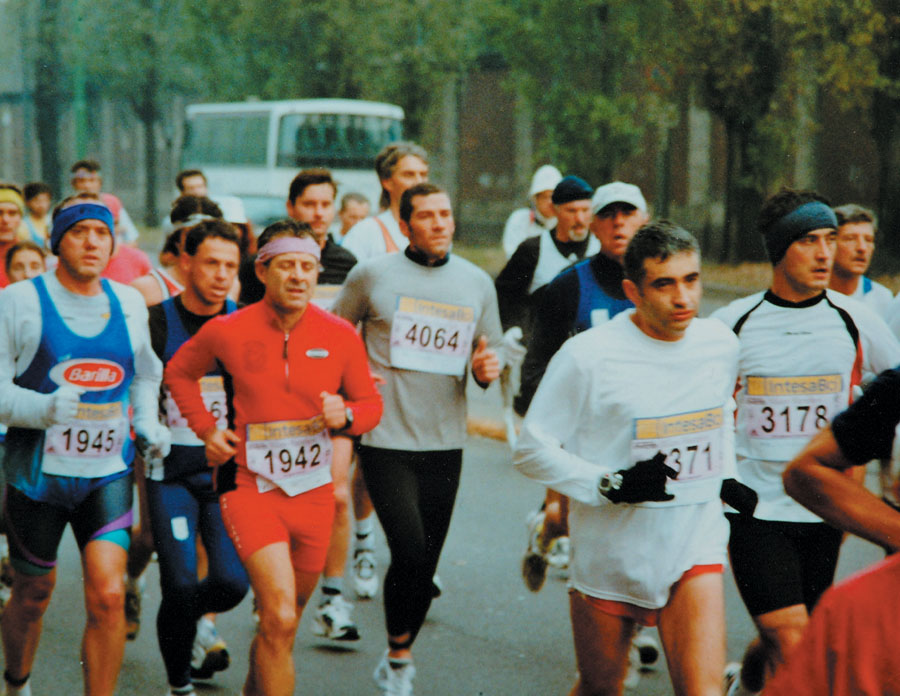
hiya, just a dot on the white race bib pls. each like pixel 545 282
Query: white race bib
pixel 88 446
pixel 431 336
pixel 692 443
pixel 292 455
pixel 788 407
pixel 212 389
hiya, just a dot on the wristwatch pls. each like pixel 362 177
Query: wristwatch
pixel 609 482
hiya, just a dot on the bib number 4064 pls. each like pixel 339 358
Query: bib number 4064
pixel 426 336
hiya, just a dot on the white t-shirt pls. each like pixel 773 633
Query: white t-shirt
pixel 613 396
pixel 365 240
pixel 798 366
pixel 875 296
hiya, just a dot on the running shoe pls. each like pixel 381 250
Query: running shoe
pixel 210 653
pixel 183 691
pixel 558 556
pixel 332 619
pixel 633 675
pixel 534 564
pixel 365 577
pixel 394 682
pixel 134 591
pixel 648 648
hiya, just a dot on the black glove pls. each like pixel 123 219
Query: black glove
pixel 739 496
pixel 644 482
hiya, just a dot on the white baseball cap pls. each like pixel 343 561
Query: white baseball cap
pixel 545 179
pixel 618 192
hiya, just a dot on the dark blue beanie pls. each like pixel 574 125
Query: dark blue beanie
pixel 571 188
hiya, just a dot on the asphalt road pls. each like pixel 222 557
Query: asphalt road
pixel 486 635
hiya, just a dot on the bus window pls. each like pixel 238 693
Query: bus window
pixel 226 139
pixel 336 141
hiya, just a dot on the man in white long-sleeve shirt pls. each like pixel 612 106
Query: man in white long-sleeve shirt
pixel 632 420
pixel 75 354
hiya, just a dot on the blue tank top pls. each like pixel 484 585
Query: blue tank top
pixel 98 442
pixel 184 459
pixel 594 306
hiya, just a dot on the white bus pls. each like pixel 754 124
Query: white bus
pixel 253 149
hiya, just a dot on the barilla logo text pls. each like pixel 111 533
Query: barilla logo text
pixel 90 374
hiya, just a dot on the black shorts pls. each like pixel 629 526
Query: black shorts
pixel 781 564
pixel 98 508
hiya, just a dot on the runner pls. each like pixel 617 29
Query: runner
pixel 354 208
pixel 191 182
pixel 538 216
pixel 853 256
pixel 66 397
pixel 25 260
pixel 86 178
pixel 539 259
pixel 311 200
pixel 289 365
pixel 803 349
pixel 38 200
pixel 848 645
pixel 12 208
pixel 183 504
pixel 399 166
pixel 625 409
pixel 427 319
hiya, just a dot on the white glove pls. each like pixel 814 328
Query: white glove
pixel 513 350
pixel 153 441
pixel 64 405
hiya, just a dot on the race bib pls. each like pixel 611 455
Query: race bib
pixel 90 445
pixel 212 389
pixel 692 443
pixel 431 336
pixel 325 296
pixel 785 407
pixel 292 455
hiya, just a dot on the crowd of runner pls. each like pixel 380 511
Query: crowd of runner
pixel 250 406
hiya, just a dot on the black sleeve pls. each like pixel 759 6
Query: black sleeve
pixel 554 317
pixel 158 330
pixel 336 265
pixel 251 289
pixel 513 282
pixel 865 431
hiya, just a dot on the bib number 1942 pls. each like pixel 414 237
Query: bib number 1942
pixel 284 462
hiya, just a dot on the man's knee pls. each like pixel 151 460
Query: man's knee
pixel 278 621
pixel 105 598
pixel 32 593
pixel 341 501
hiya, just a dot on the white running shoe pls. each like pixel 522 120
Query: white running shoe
pixel 633 675
pixel 365 576
pixel 558 556
pixel 394 682
pixel 648 648
pixel 332 619
pixel 187 691
pixel 209 653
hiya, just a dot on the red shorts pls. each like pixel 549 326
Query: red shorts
pixel 255 520
pixel 642 615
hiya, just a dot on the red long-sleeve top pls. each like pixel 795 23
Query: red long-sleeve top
pixel 275 376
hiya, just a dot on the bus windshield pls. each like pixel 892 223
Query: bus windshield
pixel 336 141
pixel 230 139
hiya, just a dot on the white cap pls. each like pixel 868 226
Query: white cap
pixel 232 209
pixel 545 179
pixel 618 192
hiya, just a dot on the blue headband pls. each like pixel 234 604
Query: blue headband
pixel 814 215
pixel 76 213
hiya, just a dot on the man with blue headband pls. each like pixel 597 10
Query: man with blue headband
pixel 803 350
pixel 75 360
